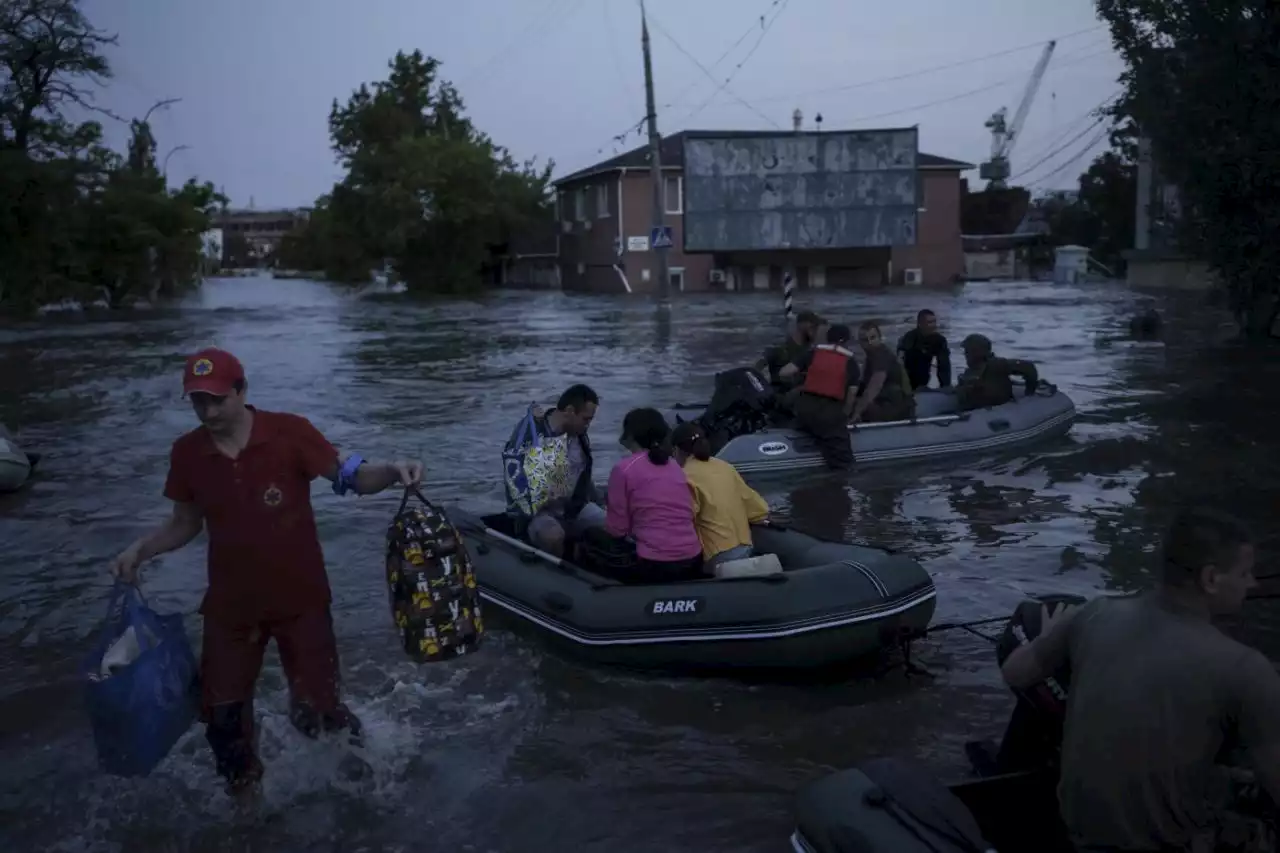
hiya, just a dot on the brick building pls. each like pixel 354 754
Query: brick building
pixel 608 206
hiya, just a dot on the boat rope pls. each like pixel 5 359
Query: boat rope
pixel 970 626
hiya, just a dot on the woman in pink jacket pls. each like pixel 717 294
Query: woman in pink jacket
pixel 650 501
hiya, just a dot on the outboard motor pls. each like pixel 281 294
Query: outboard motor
pixel 1033 738
pixel 742 403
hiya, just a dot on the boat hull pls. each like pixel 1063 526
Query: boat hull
pixel 937 432
pixel 836 603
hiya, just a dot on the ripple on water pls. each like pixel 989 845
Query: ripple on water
pixel 517 749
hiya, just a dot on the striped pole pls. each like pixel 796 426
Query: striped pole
pixel 788 295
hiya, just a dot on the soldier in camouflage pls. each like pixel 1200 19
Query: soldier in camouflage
pixel 988 379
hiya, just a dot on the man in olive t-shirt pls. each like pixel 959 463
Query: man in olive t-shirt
pixel 1156 692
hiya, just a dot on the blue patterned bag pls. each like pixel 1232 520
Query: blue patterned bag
pixel 535 467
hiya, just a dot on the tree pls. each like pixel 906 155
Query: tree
pixel 76 219
pixel 1203 83
pixel 1101 216
pixel 425 191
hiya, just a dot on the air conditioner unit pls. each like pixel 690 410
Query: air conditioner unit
pixel 717 275
pixel 566 226
pixel 913 276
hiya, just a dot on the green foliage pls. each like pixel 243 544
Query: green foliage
pixel 1101 217
pixel 1203 83
pixel 425 191
pixel 78 220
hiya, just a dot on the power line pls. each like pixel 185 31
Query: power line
pixel 1055 152
pixel 969 94
pixel 1061 130
pixel 539 24
pixel 613 43
pixel 1072 141
pixel 924 71
pixel 663 32
pixel 1089 146
pixel 621 137
pixel 730 49
pixel 764 31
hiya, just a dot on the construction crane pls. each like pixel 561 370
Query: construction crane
pixel 1004 134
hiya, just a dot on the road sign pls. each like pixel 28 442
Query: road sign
pixel 660 238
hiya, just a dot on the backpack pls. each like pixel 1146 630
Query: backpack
pixel 434 598
pixel 740 405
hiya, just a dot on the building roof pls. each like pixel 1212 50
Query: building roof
pixel 673 155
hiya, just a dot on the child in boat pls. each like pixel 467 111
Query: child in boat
pixel 649 501
pixel 724 506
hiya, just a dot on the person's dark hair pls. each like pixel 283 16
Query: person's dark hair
pixel 838 334
pixel 649 429
pixel 238 385
pixel 577 396
pixel 1200 537
pixel 692 439
pixel 868 325
pixel 923 313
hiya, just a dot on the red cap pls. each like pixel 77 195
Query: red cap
pixel 211 371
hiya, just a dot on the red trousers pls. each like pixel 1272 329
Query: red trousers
pixel 231 660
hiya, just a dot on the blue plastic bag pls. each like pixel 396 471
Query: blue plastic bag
pixel 142 707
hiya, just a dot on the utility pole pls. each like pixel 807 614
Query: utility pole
pixel 655 164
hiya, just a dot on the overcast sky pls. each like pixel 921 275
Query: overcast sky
pixel 557 79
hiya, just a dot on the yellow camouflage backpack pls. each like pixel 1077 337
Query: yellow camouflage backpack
pixel 434 598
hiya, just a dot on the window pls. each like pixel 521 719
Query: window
pixel 580 205
pixel 673 193
pixel 602 201
pixel 676 275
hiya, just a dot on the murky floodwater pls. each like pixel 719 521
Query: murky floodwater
pixel 515 749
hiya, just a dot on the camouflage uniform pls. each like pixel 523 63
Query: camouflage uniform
pixel 989 381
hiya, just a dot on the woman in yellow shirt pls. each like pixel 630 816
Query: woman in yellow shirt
pixel 724 507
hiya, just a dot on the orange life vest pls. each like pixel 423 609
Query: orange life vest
pixel 828 372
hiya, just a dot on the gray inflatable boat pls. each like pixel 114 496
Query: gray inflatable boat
pixel 892 806
pixel 15 465
pixel 937 431
pixel 832 603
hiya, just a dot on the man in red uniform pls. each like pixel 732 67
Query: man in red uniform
pixel 246 474
pixel 826 399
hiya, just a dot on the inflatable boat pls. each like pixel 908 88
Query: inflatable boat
pixel 747 434
pixel 832 603
pixel 893 806
pixel 1010 804
pixel 15 466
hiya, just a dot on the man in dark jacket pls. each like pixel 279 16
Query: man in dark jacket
pixel 552 494
pixel 988 379
pixel 920 347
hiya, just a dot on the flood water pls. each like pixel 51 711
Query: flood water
pixel 517 749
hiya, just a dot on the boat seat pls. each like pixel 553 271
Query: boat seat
pixel 762 564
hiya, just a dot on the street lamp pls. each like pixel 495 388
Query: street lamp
pixel 167 102
pixel 164 164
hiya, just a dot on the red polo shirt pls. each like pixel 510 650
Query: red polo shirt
pixel 265 561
